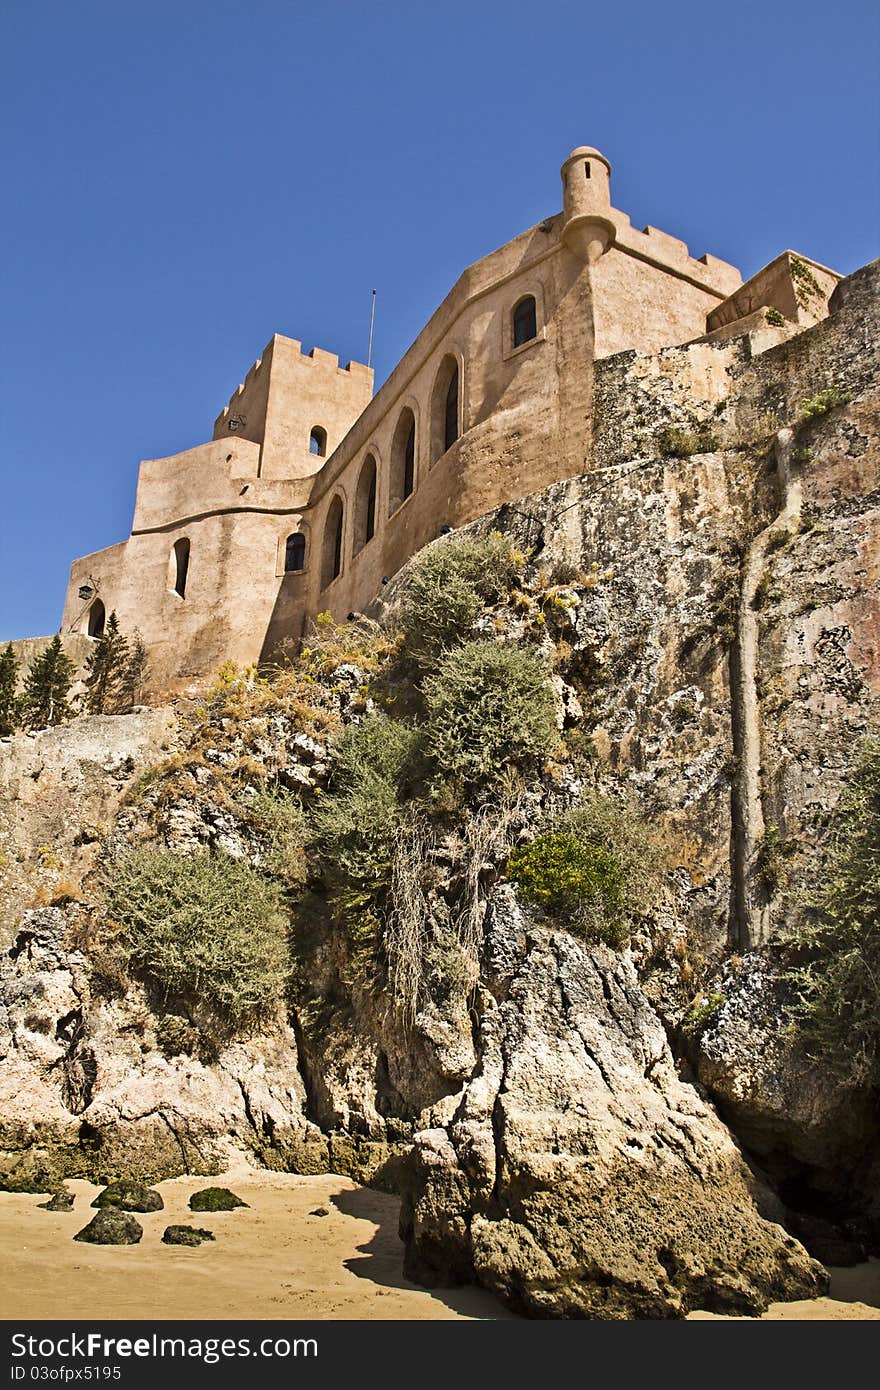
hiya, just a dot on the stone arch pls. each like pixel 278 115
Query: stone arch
pixel 365 503
pixel 402 473
pixel 331 550
pixel 97 618
pixel 445 407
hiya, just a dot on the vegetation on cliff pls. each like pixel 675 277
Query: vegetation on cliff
pixel 595 869
pixel 838 1009
pixel 435 730
pixel 203 929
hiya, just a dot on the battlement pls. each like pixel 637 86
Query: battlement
pixel 319 357
pixel 670 253
pixel 296 405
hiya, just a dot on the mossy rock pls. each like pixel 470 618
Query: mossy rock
pixel 110 1226
pixel 59 1201
pixel 129 1196
pixel 215 1199
pixel 186 1235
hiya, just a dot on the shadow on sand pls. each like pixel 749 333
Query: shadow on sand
pixel 381 1260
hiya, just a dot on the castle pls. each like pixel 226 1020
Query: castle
pixel 313 491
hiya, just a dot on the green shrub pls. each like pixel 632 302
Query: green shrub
pixel 838 1008
pixel 806 286
pixel 774 318
pixel 577 882
pixel 378 747
pixel 822 402
pixel 354 829
pixel 702 1014
pixel 207 929
pixel 279 817
pixel 488 707
pixel 447 586
pixel 595 870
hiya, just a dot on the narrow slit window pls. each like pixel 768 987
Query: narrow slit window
pixel 370 520
pixel 450 430
pixel 318 442
pixel 587 169
pixel 365 504
pixel 402 476
pixel 181 566
pixel 409 461
pixel 331 558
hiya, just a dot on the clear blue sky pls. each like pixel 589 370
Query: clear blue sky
pixel 185 177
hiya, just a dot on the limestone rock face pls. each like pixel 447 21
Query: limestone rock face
pixel 60 789
pixel 580 1177
pixel 777 1099
pixel 85 1089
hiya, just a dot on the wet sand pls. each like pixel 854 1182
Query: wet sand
pixel 273 1260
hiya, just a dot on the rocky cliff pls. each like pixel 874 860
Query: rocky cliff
pixel 591 1123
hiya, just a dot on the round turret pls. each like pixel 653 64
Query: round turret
pixel 587 228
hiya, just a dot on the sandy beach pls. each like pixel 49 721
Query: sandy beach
pixel 273 1260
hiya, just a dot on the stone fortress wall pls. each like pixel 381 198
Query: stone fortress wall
pixel 493 401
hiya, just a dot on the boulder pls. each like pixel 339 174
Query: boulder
pixel 215 1199
pixel 110 1226
pixel 129 1196
pixel 185 1235
pixel 59 1201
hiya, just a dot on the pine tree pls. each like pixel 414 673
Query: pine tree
pixel 105 667
pixel 8 685
pixel 134 676
pixel 47 687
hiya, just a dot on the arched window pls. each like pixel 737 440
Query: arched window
pixel 403 459
pixel 525 321
pixel 180 562
pixel 96 619
pixel 365 505
pixel 295 553
pixel 318 442
pixel 331 555
pixel 444 409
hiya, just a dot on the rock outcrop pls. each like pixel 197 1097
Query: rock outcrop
pixel 60 790
pixel 87 1090
pixel 580 1177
